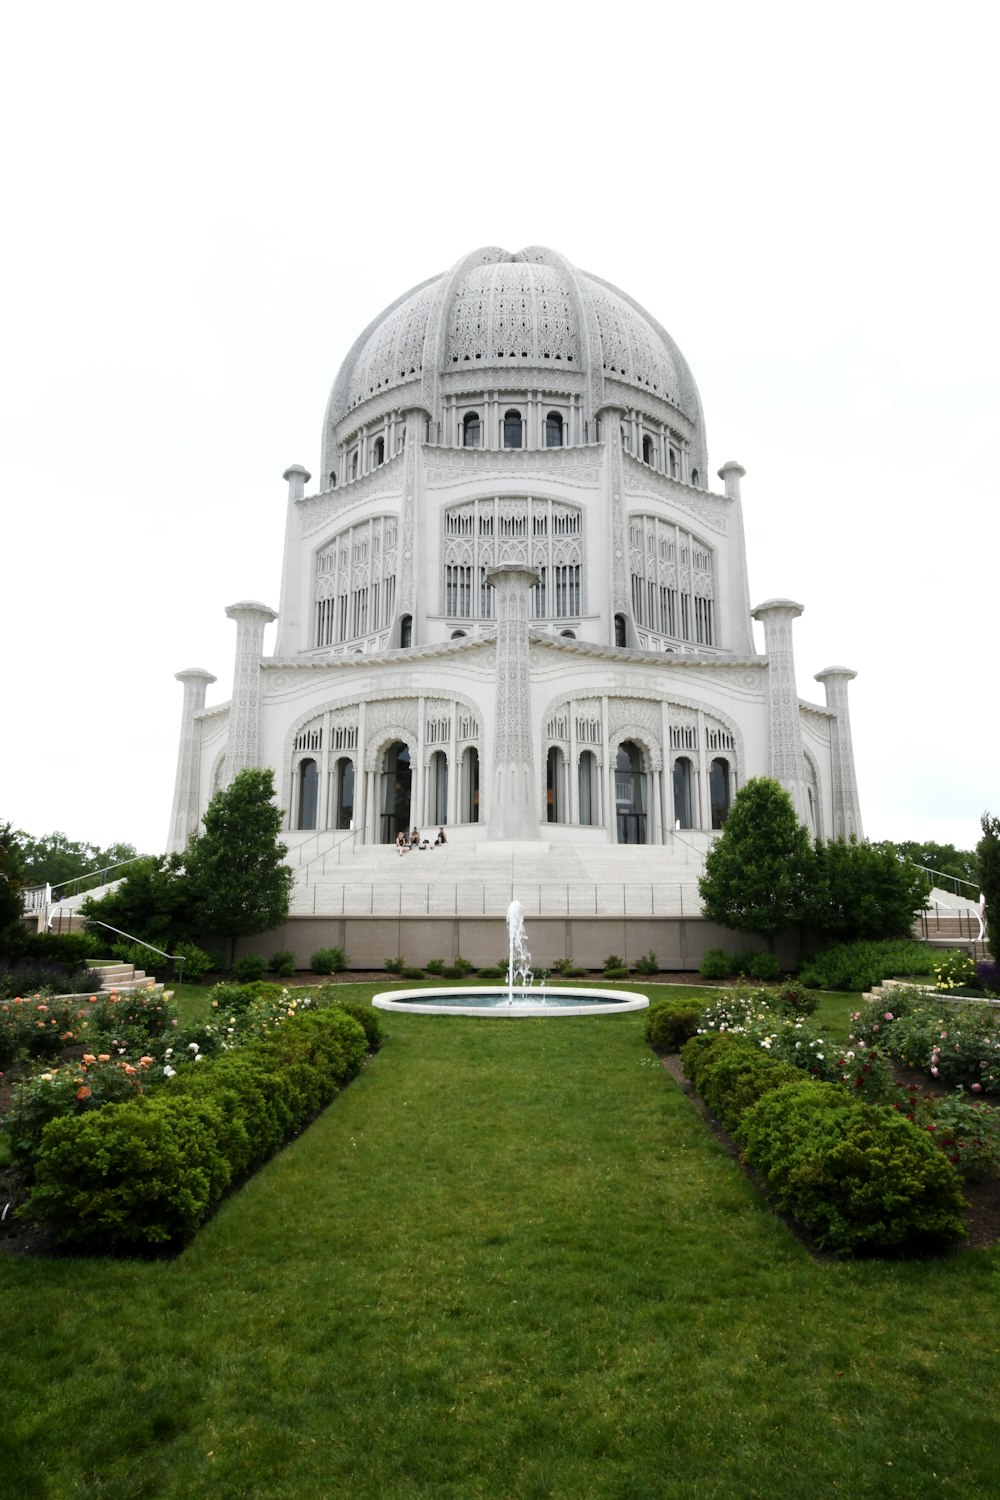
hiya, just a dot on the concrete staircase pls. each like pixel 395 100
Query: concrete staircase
pixel 118 977
pixel 951 921
pixel 474 877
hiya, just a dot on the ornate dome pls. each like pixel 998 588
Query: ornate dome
pixel 531 311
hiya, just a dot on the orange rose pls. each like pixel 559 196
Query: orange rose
pixel 83 1093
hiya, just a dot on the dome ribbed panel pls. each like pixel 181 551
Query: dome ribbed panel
pixel 632 351
pixel 512 313
pixel 394 353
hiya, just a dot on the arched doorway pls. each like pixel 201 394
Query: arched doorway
pixel 308 793
pixel 469 804
pixel 682 792
pixel 718 787
pixel 630 795
pixel 344 784
pixel 395 795
pixel 555 771
pixel 438 810
pixel 587 776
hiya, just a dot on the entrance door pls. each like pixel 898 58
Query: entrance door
pixel 395 795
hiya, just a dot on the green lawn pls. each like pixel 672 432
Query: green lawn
pixel 508 1263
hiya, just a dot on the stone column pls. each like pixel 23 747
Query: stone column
pixel 184 814
pixel 290 637
pixel 243 749
pixel 513 806
pixel 784 730
pixel 846 806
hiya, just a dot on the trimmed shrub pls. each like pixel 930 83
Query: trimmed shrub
pixel 861 966
pixel 792 999
pixel 463 965
pixel 435 966
pixel 234 999
pixel 859 1178
pixel 282 962
pixel 492 972
pixel 394 965
pixel 647 964
pixel 197 963
pixel 328 961
pixel 717 964
pixel 731 1082
pixel 671 1023
pixel 250 967
pixel 696 1054
pixel 71 949
pixel 411 972
pixel 763 966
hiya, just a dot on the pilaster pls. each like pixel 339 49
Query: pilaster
pixel 784 731
pixel 184 814
pixel 846 804
pixel 513 811
pixel 289 640
pixel 243 749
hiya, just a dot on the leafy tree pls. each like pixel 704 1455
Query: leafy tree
pixel 11 881
pixel 154 902
pixel 945 859
pixel 988 854
pixel 759 872
pixel 54 859
pixel 865 890
pixel 239 882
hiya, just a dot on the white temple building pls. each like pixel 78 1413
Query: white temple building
pixel 511 605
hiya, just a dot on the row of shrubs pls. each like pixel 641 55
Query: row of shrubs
pixel 843 966
pixel 146 1173
pixel 860 1178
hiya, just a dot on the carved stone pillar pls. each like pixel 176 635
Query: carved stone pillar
pixel 513 811
pixel 846 805
pixel 784 729
pixel 243 749
pixel 184 813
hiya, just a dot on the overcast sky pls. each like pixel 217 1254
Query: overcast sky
pixel 205 204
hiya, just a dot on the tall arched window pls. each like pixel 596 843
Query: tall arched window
pixel 406 631
pixel 333 479
pixel 513 429
pixel 344 788
pixel 308 793
pixel 555 768
pixel 682 792
pixel 630 795
pixel 718 786
pixel 471 430
pixel 587 784
pixel 438 811
pixel 647 450
pixel 553 430
pixel 621 631
pixel 395 792
pixel 694 476
pixel 469 803
pixel 378 451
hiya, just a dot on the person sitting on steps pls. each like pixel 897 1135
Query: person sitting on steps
pixel 440 838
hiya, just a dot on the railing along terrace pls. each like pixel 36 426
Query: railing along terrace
pixel 491 898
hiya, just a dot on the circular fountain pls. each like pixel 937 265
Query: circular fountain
pixel 520 997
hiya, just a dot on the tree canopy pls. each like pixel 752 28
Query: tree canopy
pixel 864 890
pixel 759 872
pixel 944 859
pixel 11 877
pixel 988 854
pixel 54 858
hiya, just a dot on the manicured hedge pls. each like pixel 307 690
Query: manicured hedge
pixel 147 1173
pixel 671 1023
pixel 860 1178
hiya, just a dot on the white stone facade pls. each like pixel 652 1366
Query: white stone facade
pixel 512 605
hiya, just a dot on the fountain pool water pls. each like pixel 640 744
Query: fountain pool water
pixel 519 998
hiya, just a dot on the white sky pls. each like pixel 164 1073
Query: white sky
pixel 207 203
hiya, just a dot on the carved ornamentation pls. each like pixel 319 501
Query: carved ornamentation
pixel 447 466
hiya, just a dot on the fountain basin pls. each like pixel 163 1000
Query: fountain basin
pixel 486 1001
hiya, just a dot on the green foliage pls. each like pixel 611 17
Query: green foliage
pixel 613 962
pixel 955 971
pixel 759 872
pixel 793 999
pixel 492 971
pixel 957 1045
pixel 235 869
pixel 71 949
pixel 762 966
pixel 62 1092
pixel 717 964
pixel 955 865
pixel 250 967
pixel 12 879
pixel 612 972
pixel 454 971
pixel 148 1172
pixel 282 962
pixel 155 901
pixel 671 1023
pixel 988 855
pixel 229 999
pixel 701 1049
pixel 862 965
pixel 463 965
pixel 435 966
pixel 967 1132
pixel 328 961
pixel 412 972
pixel 647 964
pixel 54 859
pixel 863 890
pixel 732 1082
pixel 132 1019
pixel 859 1178
pixel 367 1017
pixel 197 963
pixel 394 965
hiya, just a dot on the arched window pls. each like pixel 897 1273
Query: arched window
pixel 395 792
pixel 568 635
pixel 471 430
pixel 621 631
pixel 354 464
pixel 344 783
pixel 406 631
pixel 458 635
pixel 587 782
pixel 647 450
pixel 308 793
pixel 469 787
pixel 438 811
pixel 553 430
pixel 333 479
pixel 673 463
pixel 694 476
pixel 555 770
pixel 378 451
pixel 513 429
pixel 630 795
pixel 682 792
pixel 718 786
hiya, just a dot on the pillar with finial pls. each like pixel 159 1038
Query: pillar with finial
pixel 513 809
pixel 184 814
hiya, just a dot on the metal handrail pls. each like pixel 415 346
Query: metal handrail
pixel 955 879
pixel 174 958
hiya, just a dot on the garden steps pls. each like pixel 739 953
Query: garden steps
pixel 117 977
